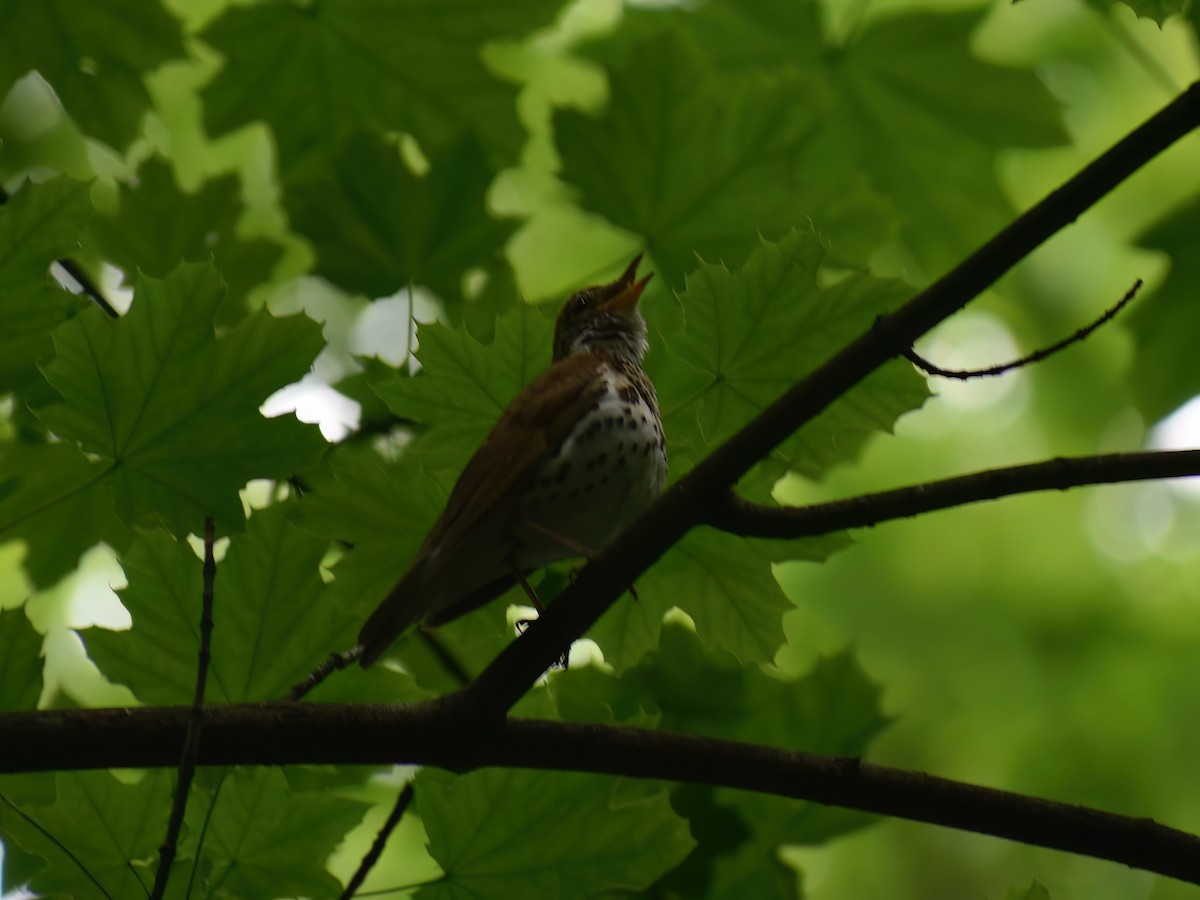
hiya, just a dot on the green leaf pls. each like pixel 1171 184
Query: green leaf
pixel 754 871
pixel 1035 891
pixel 925 119
pixel 692 165
pixel 94 55
pixel 465 385
pixel 20 662
pixel 1164 376
pixel 322 70
pixel 159 226
pixel 517 833
pixel 738 36
pixel 750 336
pixel 723 582
pixel 719 832
pixel 905 103
pixel 57 501
pixel 38 225
pixel 275 620
pixel 834 709
pixel 382 509
pixel 377 227
pixel 96 837
pixel 262 839
pixel 172 410
pixel 1158 10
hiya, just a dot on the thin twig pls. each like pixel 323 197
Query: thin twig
pixel 431 733
pixel 88 286
pixel 1037 356
pixel 741 517
pixel 191 741
pixel 684 505
pixel 455 669
pixel 81 277
pixel 333 663
pixel 403 801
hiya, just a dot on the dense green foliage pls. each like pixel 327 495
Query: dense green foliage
pixel 261 187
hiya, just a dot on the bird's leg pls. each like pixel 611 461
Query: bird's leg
pixel 574 546
pixel 522 624
pixel 525 586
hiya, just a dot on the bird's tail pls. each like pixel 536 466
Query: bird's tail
pixel 405 604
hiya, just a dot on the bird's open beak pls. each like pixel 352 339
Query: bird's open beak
pixel 629 289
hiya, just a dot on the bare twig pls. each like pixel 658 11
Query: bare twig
pixel 510 675
pixel 81 277
pixel 403 801
pixel 405 798
pixel 456 671
pixel 431 733
pixel 88 287
pixel 333 663
pixel 1037 356
pixel 338 661
pixel 733 514
pixel 191 740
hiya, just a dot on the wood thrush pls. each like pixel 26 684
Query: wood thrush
pixel 576 456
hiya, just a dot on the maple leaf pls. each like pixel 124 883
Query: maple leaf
pixel 38 225
pixel 526 845
pixel 377 227
pixel 94 55
pixel 171 409
pixel 159 225
pixel 693 166
pixel 319 71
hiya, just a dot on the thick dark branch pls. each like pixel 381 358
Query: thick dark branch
pixel 733 514
pixel 686 503
pixel 1035 357
pixel 430 734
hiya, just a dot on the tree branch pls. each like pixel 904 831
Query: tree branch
pixel 741 517
pixel 1035 357
pixel 430 733
pixel 686 503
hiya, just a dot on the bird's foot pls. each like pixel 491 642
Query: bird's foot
pixel 522 625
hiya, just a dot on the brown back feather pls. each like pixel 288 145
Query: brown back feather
pixel 533 426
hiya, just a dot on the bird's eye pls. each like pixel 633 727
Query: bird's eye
pixel 578 303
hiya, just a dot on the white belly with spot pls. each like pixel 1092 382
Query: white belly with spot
pixel 604 475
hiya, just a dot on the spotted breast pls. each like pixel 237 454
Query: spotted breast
pixel 610 467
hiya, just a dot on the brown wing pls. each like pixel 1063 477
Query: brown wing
pixel 535 423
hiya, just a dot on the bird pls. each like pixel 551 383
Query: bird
pixel 575 457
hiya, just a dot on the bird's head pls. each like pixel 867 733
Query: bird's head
pixel 604 319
